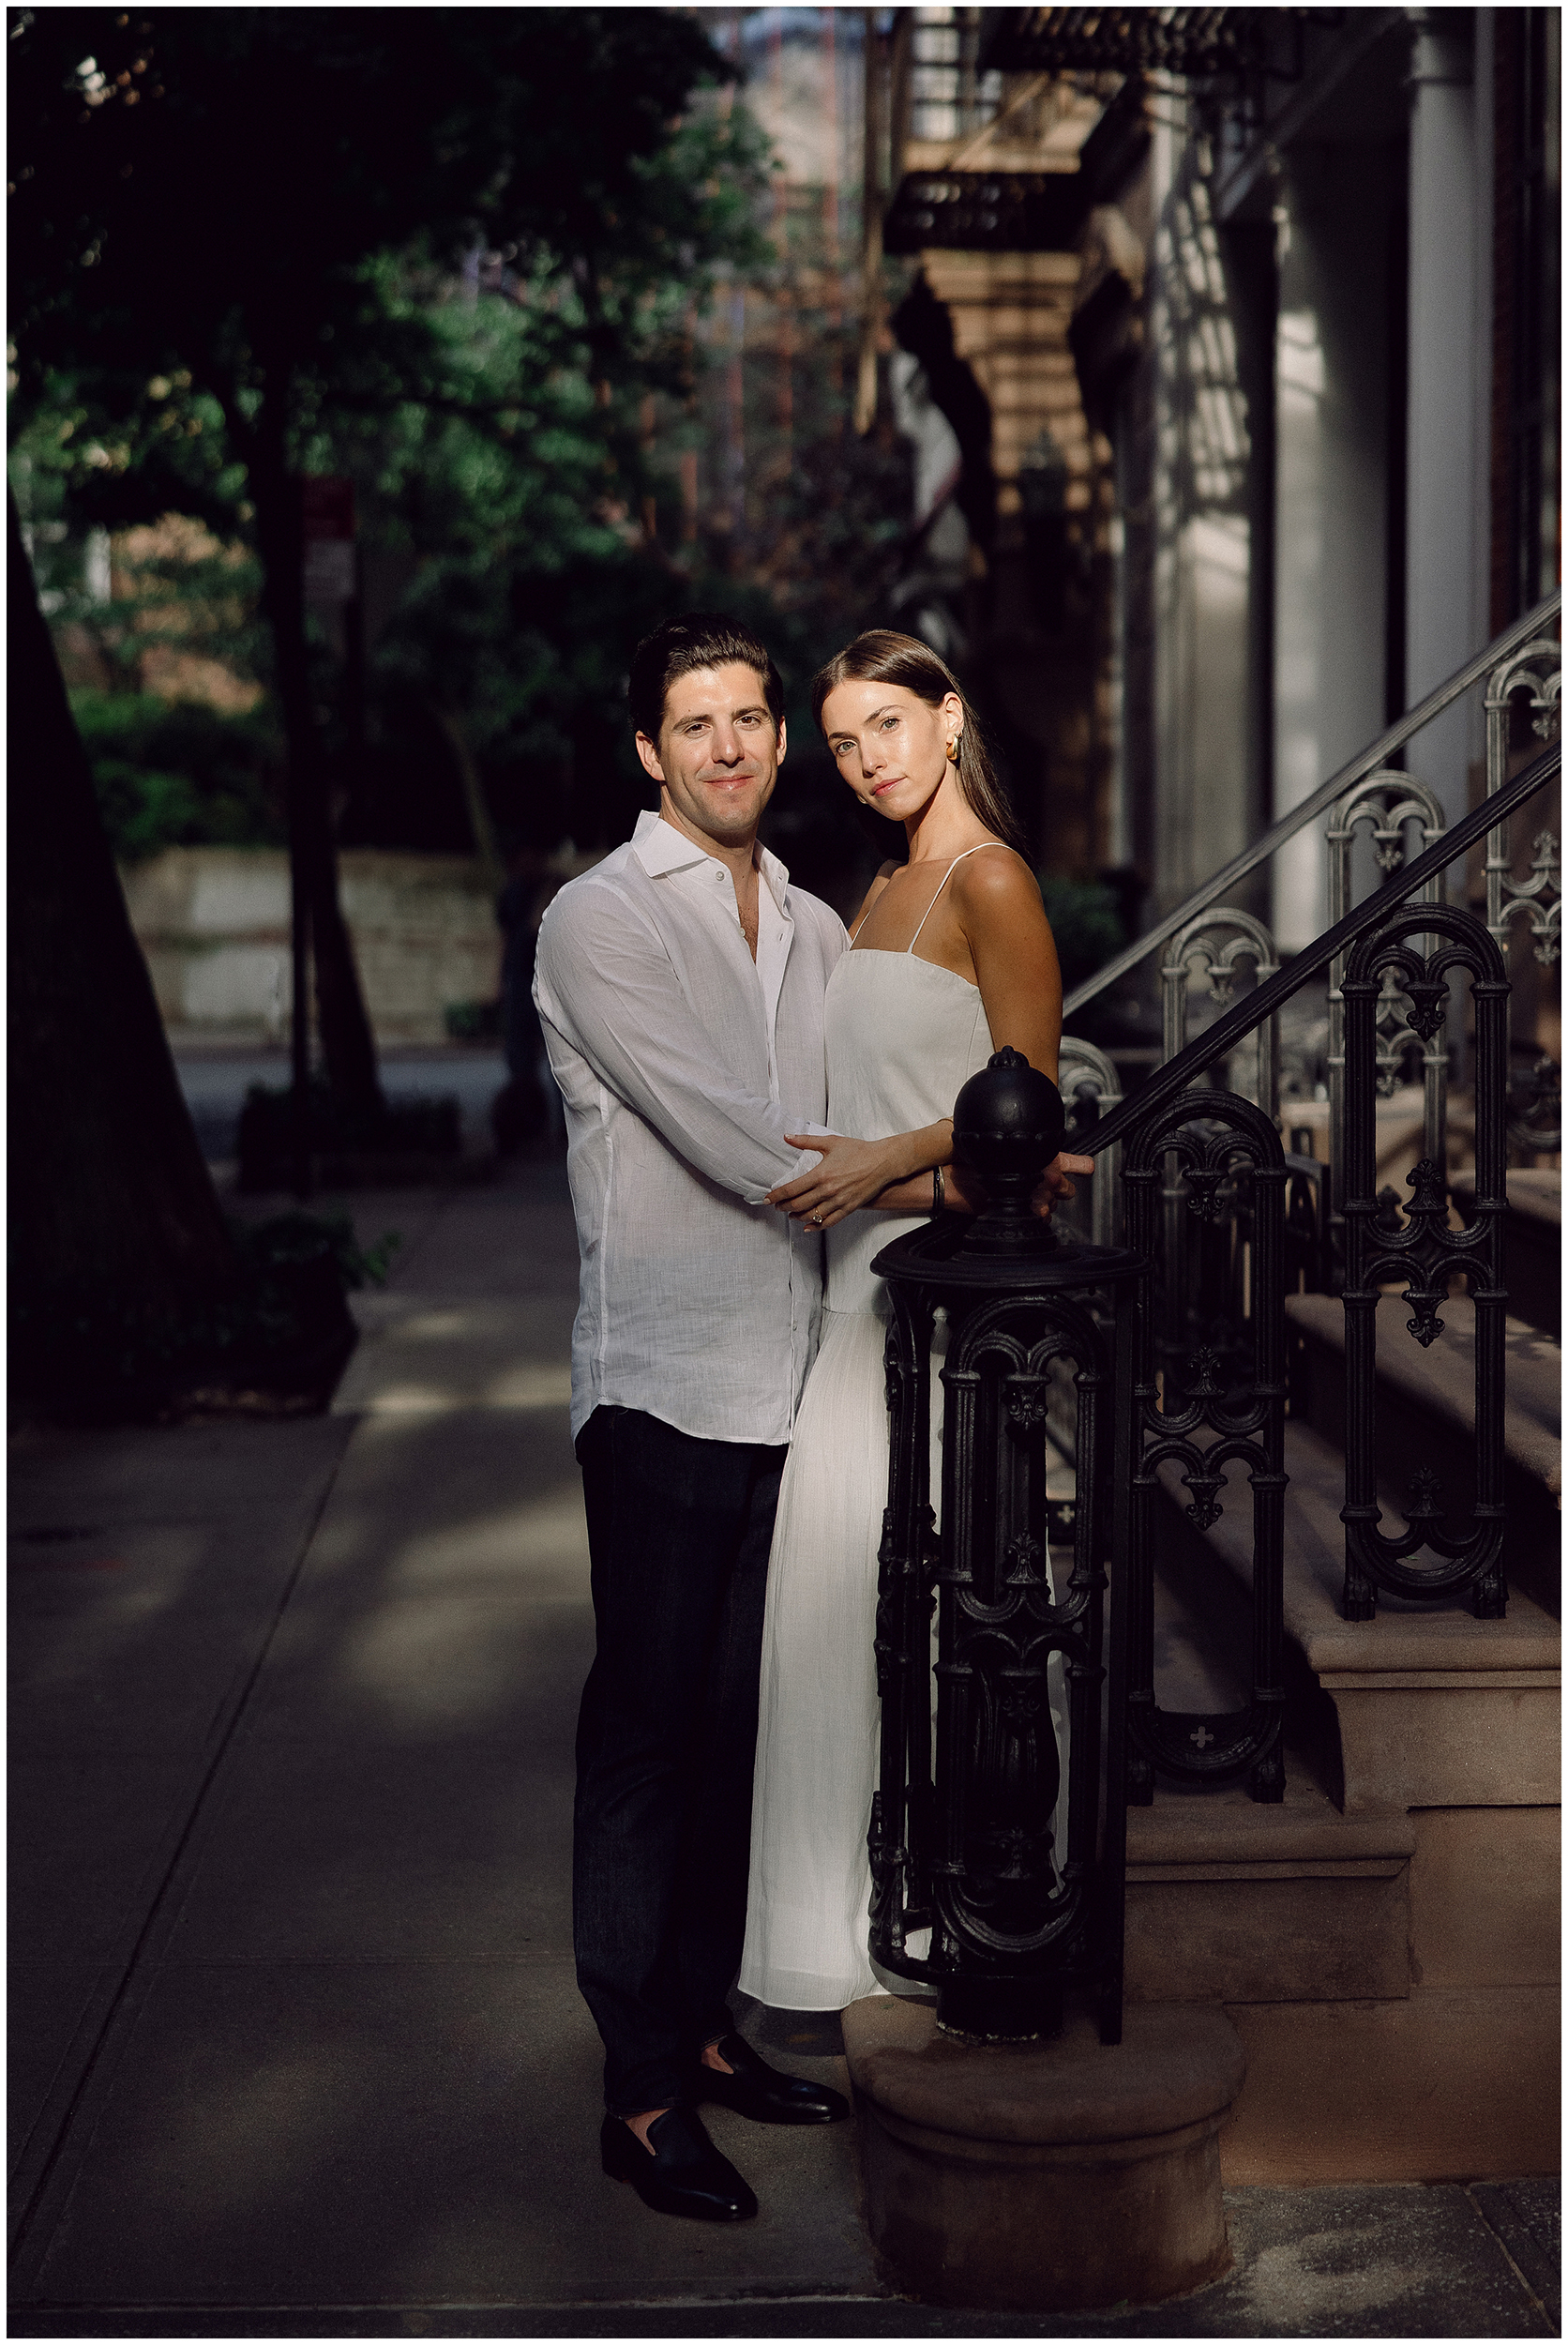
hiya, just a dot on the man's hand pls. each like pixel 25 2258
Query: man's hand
pixel 850 1174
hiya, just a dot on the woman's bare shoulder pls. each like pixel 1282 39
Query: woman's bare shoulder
pixel 998 884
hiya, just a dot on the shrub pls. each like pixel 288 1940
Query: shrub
pixel 277 1339
pixel 179 774
pixel 412 1127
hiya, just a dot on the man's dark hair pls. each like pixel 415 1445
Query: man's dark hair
pixel 699 639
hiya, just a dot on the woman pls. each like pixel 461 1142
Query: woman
pixel 950 957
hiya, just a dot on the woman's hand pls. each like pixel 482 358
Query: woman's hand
pixel 1055 1186
pixel 850 1174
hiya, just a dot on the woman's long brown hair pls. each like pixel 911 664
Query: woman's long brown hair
pixel 882 655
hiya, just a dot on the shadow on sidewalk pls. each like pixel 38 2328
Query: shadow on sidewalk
pixel 298 2049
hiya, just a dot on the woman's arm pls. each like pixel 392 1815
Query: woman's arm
pixel 1004 925
pixel 855 1172
pixel 917 1194
pixel 996 900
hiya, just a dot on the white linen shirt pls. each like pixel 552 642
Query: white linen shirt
pixel 683 1064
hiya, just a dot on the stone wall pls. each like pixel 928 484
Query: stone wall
pixel 214 924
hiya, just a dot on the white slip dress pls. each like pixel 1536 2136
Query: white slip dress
pixel 903 1038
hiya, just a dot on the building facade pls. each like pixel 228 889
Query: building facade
pixel 1261 311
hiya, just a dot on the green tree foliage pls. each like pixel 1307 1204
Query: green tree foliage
pixel 242 249
pixel 222 218
pixel 178 774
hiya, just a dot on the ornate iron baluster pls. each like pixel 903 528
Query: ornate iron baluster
pixel 1090 1088
pixel 1001 1890
pixel 1017 1906
pixel 1535 1094
pixel 1536 669
pixel 1426 1253
pixel 1308 1261
pixel 901 1842
pixel 1217 942
pixel 1213 1135
pixel 1383 805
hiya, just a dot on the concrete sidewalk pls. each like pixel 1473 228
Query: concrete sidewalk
pixel 297 2044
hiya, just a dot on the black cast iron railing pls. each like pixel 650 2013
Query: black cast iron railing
pixel 1374 810
pixel 1250 1225
pixel 996 1846
pixel 1235 1024
pixel 967 1840
pixel 1427 1254
pixel 1511 661
pixel 1223 1375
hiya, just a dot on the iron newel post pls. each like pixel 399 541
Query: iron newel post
pixel 998 1840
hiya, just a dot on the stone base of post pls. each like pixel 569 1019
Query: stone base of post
pixel 1060 2176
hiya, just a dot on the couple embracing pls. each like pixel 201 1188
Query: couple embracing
pixel 755 1100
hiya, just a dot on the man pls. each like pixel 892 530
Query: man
pixel 681 984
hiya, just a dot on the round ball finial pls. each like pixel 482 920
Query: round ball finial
pixel 1008 1123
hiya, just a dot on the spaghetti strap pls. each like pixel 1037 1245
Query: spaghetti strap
pixel 943 881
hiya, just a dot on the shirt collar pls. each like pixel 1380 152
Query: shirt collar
pixel 659 847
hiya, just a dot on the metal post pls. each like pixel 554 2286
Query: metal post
pixel 1427 1254
pixel 1017 1910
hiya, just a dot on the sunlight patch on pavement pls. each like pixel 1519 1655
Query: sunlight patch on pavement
pixel 453 1663
pixel 437 1354
pixel 532 1385
pixel 510 1547
pixel 535 1384
pixel 434 1326
pixel 232 2149
pixel 1319 2282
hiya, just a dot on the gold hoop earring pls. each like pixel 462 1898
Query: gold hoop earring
pixel 953 752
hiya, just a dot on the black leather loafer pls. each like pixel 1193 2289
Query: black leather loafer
pixel 686 2174
pixel 755 2089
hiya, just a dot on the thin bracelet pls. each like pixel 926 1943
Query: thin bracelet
pixel 939 1189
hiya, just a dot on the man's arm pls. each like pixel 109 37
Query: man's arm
pixel 604 981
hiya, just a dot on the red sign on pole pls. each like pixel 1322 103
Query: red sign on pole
pixel 327 532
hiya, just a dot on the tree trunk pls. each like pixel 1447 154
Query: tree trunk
pixel 347 1043
pixel 113 1207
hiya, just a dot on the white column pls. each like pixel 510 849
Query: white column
pixel 1447 414
pixel 1201 563
pixel 1331 492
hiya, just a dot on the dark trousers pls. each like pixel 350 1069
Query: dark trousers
pixel 678 1535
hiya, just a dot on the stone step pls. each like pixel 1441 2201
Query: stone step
pixel 1418 1708
pixel 1386 1956
pixel 1306 1902
pixel 1425 1404
pixel 1414 1859
pixel 1228 1901
pixel 1531 1243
